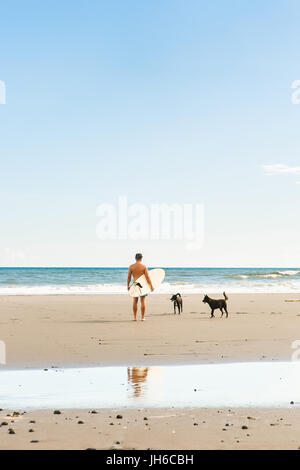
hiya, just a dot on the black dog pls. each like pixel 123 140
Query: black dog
pixel 217 303
pixel 177 300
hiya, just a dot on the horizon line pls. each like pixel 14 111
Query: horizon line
pixel 150 266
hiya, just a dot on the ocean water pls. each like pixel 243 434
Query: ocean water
pixel 34 281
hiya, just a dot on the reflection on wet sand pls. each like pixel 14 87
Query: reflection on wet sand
pixel 261 384
pixel 137 376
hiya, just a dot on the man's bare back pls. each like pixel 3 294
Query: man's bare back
pixel 137 270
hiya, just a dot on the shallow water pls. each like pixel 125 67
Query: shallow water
pixel 260 384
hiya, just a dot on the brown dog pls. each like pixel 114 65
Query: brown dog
pixel 217 304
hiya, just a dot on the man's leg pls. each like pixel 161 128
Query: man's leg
pixel 135 307
pixel 143 306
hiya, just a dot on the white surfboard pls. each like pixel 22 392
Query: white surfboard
pixel 141 286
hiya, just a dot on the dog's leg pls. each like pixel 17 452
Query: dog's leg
pixel 222 312
pixel 174 308
pixel 226 312
pixel 212 313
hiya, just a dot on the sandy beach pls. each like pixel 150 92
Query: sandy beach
pixel 91 330
pixel 66 330
pixel 162 429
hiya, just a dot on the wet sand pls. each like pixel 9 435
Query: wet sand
pixel 46 331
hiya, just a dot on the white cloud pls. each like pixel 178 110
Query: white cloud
pixel 279 169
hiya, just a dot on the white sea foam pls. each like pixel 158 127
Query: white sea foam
pixel 167 288
pixel 272 275
pixel 289 273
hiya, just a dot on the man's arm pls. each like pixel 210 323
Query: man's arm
pixel 129 278
pixel 148 279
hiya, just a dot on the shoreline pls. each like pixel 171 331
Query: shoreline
pixel 141 364
pixel 168 292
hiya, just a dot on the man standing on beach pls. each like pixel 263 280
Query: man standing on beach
pixel 136 270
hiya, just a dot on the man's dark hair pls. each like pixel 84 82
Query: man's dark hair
pixel 138 256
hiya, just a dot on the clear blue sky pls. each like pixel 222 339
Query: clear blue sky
pixel 160 100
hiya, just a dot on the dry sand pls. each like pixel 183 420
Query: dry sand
pixel 41 331
pixel 45 331
pixel 163 429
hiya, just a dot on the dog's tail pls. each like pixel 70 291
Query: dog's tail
pixel 178 294
pixel 226 298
